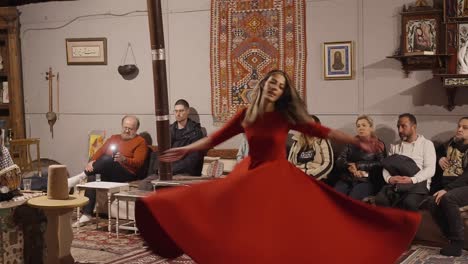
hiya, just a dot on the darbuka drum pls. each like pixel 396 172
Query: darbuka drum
pixel 10 177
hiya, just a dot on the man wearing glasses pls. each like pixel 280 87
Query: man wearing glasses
pixel 184 131
pixel 118 160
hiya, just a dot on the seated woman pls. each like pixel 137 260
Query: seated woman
pixel 360 171
pixel 312 155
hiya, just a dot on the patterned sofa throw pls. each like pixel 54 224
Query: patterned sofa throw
pixel 248 39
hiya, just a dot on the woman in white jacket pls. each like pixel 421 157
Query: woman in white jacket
pixel 312 155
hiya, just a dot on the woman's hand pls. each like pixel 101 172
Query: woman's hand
pixel 173 154
pixel 444 163
pixel 360 174
pixel 352 168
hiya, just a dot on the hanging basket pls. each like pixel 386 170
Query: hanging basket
pixel 128 71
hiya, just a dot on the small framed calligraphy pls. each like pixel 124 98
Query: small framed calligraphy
pixel 86 51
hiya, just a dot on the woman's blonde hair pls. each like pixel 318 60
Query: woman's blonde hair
pixel 289 104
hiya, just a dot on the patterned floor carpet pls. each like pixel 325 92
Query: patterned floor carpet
pixel 93 246
pixel 145 256
pixel 430 255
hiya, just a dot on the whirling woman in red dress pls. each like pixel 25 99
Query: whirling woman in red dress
pixel 266 210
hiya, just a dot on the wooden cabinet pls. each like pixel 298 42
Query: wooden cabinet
pixel 436 37
pixel 422 40
pixel 455 76
pixel 11 112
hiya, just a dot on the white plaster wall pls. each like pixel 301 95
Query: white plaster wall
pixel 96 97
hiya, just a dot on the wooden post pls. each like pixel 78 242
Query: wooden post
pixel 158 54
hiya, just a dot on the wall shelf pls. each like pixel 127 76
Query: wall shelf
pixel 409 63
pixel 451 82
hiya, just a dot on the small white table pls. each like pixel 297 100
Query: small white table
pixel 110 188
pixel 130 196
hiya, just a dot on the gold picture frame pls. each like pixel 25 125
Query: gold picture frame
pixel 86 51
pixel 338 60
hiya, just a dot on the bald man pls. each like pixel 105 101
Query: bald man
pixel 118 160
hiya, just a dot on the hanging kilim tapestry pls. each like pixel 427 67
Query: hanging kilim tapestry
pixel 248 39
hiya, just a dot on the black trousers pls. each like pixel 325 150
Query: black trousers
pixel 409 200
pixel 110 171
pixel 447 213
pixel 355 189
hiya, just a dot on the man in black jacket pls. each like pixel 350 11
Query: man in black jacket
pixel 445 203
pixel 184 131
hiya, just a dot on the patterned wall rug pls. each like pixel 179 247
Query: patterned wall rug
pixel 248 39
pixel 430 255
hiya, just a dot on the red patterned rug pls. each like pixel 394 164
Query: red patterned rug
pixel 98 247
pixel 248 39
pixel 91 246
pixel 102 241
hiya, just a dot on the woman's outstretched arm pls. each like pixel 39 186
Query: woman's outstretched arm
pixel 317 130
pixel 174 154
pixel 370 145
pixel 230 129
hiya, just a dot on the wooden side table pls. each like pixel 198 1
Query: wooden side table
pixel 59 233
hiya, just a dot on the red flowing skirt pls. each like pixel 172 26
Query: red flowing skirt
pixel 271 214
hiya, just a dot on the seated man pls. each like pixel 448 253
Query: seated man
pixel 417 151
pixel 184 131
pixel 118 160
pixel 444 205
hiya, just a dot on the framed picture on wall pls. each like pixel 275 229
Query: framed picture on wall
pixel 338 60
pixel 421 36
pixel 461 7
pixel 462 62
pixel 86 51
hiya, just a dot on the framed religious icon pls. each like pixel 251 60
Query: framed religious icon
pixel 338 60
pixel 86 51
pixel 421 32
pixel 421 36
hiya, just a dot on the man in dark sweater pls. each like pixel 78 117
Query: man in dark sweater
pixel 445 203
pixel 184 131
